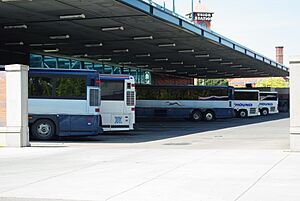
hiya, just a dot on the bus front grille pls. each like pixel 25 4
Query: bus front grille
pixel 252 110
pixel 130 98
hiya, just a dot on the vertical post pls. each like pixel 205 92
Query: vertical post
pixel 15 133
pixel 295 103
pixel 193 18
pixel 173 6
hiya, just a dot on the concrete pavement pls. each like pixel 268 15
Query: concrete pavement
pixel 245 162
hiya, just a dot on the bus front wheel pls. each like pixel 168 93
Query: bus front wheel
pixel 43 129
pixel 243 114
pixel 264 112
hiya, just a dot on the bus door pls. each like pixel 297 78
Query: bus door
pixel 89 121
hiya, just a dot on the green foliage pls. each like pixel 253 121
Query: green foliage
pixel 276 82
pixel 213 82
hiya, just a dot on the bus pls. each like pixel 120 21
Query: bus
pixel 268 103
pixel 63 103
pixel 118 98
pixel 190 102
pixel 246 103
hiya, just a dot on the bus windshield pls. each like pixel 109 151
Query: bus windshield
pixel 268 96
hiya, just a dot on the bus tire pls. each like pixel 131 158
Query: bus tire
pixel 196 115
pixel 43 129
pixel 243 114
pixel 209 116
pixel 264 112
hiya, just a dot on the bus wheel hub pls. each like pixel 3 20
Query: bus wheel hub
pixel 44 129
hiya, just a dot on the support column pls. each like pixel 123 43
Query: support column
pixel 295 103
pixel 16 133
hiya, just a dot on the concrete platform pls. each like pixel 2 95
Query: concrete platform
pixel 225 160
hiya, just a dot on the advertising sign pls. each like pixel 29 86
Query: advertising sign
pixel 2 99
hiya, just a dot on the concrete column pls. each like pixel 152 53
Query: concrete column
pixel 16 132
pixel 295 103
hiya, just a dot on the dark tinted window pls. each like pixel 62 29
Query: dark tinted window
pixel 245 95
pixel 40 87
pixel 182 93
pixel 112 90
pixel 269 96
pixel 74 87
pixel 51 86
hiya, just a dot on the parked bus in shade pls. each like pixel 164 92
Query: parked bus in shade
pixel 246 103
pixel 63 103
pixel 193 102
pixel 118 99
pixel 268 103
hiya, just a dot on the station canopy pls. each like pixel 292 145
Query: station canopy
pixel 131 33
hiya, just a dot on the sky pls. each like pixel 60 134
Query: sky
pixel 258 24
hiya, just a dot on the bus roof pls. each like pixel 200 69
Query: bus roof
pixel 189 86
pixel 115 77
pixel 243 90
pixel 268 92
pixel 63 71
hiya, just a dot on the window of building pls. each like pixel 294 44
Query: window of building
pixel 99 68
pixel 126 71
pixel 117 70
pixel 134 73
pixel 36 61
pixel 39 61
pixel 107 69
pixel 64 63
pixel 75 64
pixel 50 62
pixel 88 65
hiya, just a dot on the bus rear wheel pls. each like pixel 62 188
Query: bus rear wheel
pixel 196 116
pixel 43 129
pixel 209 116
pixel 243 114
pixel 264 112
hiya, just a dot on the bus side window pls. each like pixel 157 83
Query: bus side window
pixel 128 85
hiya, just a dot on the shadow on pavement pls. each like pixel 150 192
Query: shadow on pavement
pixel 158 129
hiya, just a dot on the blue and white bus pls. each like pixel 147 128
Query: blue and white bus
pixel 63 103
pixel 268 103
pixel 118 100
pixel 246 102
pixel 193 102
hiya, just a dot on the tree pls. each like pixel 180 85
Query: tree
pixel 212 82
pixel 274 82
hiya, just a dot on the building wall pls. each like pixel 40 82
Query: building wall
pixel 2 99
pixel 162 79
pixel 241 82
